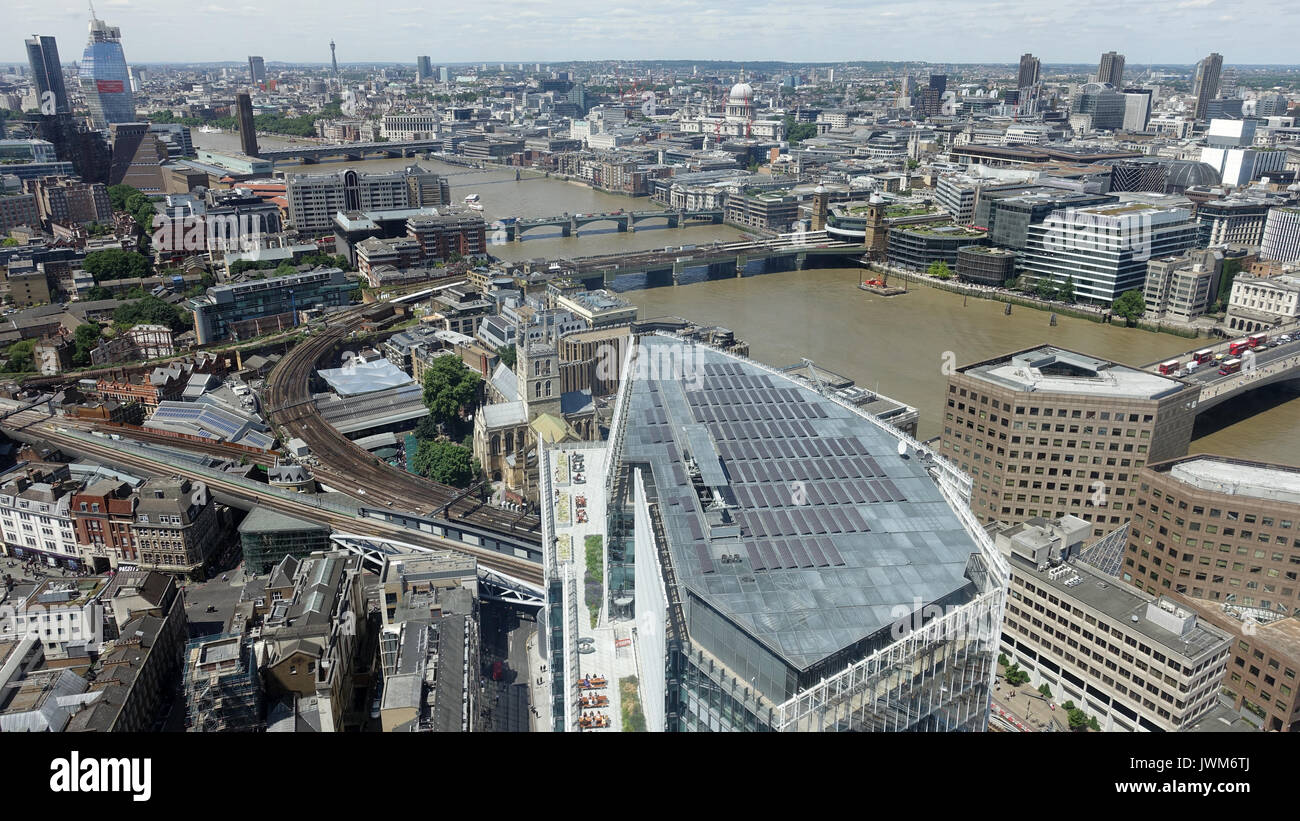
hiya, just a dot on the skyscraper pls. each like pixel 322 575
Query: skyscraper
pixel 1111 69
pixel 1029 67
pixel 334 61
pixel 1206 85
pixel 423 69
pixel 247 131
pixel 47 75
pixel 256 70
pixel 939 82
pixel 104 77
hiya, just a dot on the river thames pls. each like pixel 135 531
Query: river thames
pixel 896 345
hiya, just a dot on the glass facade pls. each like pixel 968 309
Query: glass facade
pixel 226 305
pixel 104 78
pixel 264 549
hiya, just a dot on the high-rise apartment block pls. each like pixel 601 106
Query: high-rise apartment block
pixel 1111 69
pixel 1205 84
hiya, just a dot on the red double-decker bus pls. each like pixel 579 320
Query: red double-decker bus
pixel 1203 355
pixel 1169 367
pixel 1256 340
pixel 1236 346
pixel 1230 366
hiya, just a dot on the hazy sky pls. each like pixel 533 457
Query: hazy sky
pixel 1146 31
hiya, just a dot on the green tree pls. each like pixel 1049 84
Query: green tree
pixel 1015 676
pixel 426 429
pixel 1066 293
pixel 9 242
pixel 445 462
pixel 797 132
pixel 449 388
pixel 508 355
pixel 85 338
pixel 152 311
pixel 99 292
pixel 20 357
pixel 1045 690
pixel 114 263
pixel 1130 305
pixel 940 270
pixel 1077 718
pixel 1045 288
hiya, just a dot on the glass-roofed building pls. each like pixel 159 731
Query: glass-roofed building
pixel 790 562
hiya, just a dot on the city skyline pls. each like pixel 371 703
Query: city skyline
pixel 541 30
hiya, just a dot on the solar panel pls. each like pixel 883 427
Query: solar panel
pixel 842 519
pixel 694 525
pixel 814 549
pixel 895 495
pixel 859 524
pixel 832 555
pixel 787 558
pixel 755 559
pixel 801 557
pixel 702 555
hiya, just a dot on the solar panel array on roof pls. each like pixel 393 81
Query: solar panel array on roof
pixel 827 543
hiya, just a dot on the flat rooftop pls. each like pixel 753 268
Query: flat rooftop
pixel 1056 370
pixel 1277 483
pixel 1125 604
pixel 826 528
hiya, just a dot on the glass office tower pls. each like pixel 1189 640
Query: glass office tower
pixel 104 77
pixel 47 73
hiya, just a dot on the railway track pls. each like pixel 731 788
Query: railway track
pixel 351 469
pixel 523 569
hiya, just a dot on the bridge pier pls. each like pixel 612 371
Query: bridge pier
pixel 570 229
pixel 655 277
pixel 800 260
pixel 741 261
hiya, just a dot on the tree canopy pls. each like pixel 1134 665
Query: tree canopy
pixel 449 388
pixel 1130 305
pixel 508 355
pixel 152 311
pixel 84 340
pixel 445 462
pixel 796 132
pixel 940 270
pixel 114 263
pixel 20 357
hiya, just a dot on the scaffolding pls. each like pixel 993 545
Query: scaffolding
pixel 223 692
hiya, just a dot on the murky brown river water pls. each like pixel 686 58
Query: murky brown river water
pixel 894 344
